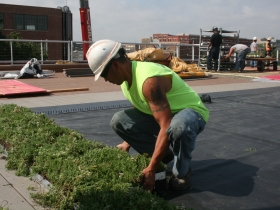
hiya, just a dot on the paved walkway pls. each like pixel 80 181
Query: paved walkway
pixel 13 189
pixel 102 95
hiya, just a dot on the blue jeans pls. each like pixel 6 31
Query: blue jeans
pixel 213 54
pixel 253 63
pixel 241 57
pixel 140 131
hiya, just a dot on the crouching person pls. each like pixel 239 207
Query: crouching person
pixel 31 69
pixel 167 115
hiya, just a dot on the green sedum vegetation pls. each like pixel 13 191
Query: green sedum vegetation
pixel 84 174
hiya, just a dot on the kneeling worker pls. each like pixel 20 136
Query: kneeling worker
pixel 167 115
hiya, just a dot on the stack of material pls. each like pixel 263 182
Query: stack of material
pixel 183 69
pixel 147 54
pixel 14 87
pixel 78 72
pixel 193 71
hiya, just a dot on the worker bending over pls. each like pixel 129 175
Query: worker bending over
pixel 241 50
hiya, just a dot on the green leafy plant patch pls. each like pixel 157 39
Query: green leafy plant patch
pixel 84 174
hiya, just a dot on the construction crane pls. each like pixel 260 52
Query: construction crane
pixel 85 25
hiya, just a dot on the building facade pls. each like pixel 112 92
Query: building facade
pixel 39 23
pixel 169 40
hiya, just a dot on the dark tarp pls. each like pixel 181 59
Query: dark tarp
pixel 236 163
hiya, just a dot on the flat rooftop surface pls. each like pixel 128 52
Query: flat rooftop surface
pixel 236 160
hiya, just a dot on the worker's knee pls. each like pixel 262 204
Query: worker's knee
pixel 116 120
pixel 175 130
pixel 186 123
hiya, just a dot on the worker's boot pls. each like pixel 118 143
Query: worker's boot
pixel 180 183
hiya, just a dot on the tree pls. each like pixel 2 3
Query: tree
pixel 21 50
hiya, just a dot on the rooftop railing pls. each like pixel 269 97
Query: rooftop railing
pixel 18 51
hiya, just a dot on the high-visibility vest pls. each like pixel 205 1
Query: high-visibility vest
pixel 268 46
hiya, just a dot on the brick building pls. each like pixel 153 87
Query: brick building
pixel 39 23
pixel 169 40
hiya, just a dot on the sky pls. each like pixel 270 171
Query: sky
pixel 128 21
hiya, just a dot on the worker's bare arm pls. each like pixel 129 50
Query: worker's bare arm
pixel 154 90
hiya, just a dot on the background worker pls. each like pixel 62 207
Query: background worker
pixel 254 50
pixel 268 47
pixel 167 115
pixel 31 69
pixel 215 42
pixel 241 50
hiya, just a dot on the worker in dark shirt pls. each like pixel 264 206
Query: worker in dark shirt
pixel 215 42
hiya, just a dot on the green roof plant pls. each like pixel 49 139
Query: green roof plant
pixel 84 174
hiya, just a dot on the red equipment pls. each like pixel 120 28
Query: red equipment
pixel 85 25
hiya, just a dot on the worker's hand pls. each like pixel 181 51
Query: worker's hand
pixel 148 180
pixel 223 59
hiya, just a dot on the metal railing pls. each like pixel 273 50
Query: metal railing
pixel 15 51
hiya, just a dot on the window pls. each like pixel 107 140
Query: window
pixel 18 22
pixel 42 23
pixel 30 22
pixel 1 21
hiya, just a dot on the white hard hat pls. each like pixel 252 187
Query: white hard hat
pixel 269 38
pixel 255 38
pixel 100 53
pixel 215 28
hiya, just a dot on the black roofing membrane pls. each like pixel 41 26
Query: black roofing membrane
pixel 236 163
